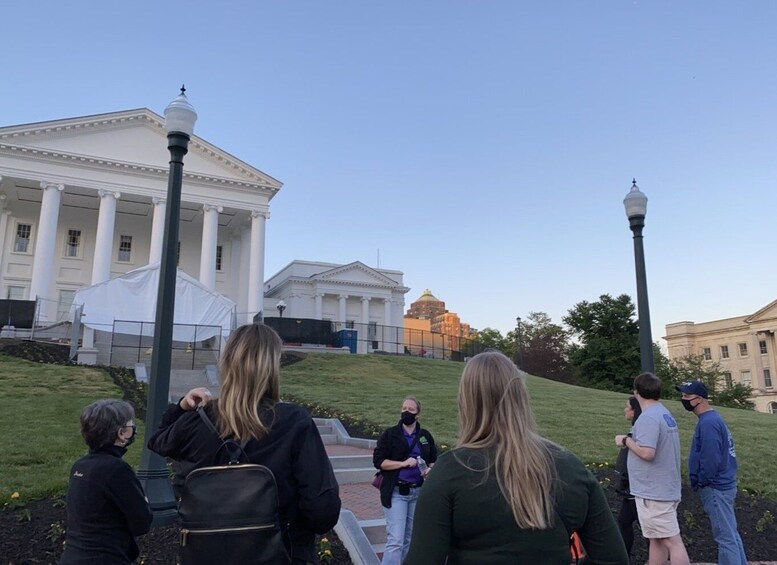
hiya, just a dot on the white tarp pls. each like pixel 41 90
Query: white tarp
pixel 132 297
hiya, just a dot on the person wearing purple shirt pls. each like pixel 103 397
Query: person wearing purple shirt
pixel 398 455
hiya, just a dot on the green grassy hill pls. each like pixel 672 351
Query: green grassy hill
pixel 584 420
pixel 42 403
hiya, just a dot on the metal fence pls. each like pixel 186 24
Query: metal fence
pixel 194 346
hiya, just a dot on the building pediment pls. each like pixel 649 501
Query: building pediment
pixel 356 272
pixel 134 137
pixel 767 313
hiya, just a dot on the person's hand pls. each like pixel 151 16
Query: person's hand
pixel 195 397
pixel 619 440
pixel 411 462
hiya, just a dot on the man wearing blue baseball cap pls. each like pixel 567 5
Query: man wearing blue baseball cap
pixel 712 468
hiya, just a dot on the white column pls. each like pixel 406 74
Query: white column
pixel 45 241
pixel 4 218
pixel 256 263
pixel 386 311
pixel 157 230
pixel 245 260
pixel 103 249
pixel 341 313
pixel 365 310
pixel 210 232
pixel 319 305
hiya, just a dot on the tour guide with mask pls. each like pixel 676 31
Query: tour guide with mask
pixel 398 454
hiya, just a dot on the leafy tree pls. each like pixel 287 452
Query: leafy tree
pixel 694 367
pixel 489 338
pixel 539 347
pixel 606 354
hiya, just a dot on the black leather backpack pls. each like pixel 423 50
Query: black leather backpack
pixel 229 513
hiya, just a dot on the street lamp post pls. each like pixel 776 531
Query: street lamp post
pixel 520 342
pixel 153 473
pixel 281 306
pixel 636 208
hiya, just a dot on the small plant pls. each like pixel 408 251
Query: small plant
pixel 56 531
pixel 16 502
pixel 766 519
pixel 24 515
pixel 689 518
pixel 324 550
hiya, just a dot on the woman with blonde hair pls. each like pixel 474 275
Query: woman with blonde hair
pixel 504 494
pixel 278 435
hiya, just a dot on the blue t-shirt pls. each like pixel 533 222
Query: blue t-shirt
pixel 411 474
pixel 712 461
pixel 660 478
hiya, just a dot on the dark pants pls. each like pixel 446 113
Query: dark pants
pixel 627 515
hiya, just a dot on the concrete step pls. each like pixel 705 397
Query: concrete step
pixel 375 530
pixel 350 476
pixel 325 429
pixel 351 462
pixel 329 439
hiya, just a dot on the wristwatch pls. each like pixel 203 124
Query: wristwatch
pixel 623 441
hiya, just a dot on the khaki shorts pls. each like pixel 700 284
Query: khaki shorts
pixel 657 518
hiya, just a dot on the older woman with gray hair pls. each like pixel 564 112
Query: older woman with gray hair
pixel 106 506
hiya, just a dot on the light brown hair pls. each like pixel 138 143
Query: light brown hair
pixel 249 367
pixel 495 418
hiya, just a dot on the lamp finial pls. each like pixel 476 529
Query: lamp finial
pixel 183 89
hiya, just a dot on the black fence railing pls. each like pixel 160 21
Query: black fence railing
pixel 374 338
pixel 194 346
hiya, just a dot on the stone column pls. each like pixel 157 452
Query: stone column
pixel 4 218
pixel 256 264
pixel 386 311
pixel 319 305
pixel 103 248
pixel 45 242
pixel 342 312
pixel 210 232
pixel 157 230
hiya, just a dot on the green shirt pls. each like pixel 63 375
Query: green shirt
pixel 466 519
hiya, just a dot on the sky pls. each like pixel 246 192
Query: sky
pixel 483 148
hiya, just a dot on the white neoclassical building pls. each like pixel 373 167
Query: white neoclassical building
pixel 82 200
pixel 354 295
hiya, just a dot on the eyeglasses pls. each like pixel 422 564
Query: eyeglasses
pixel 133 426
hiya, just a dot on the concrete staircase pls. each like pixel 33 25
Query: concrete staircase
pixel 361 527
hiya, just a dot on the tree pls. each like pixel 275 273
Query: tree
pixel 489 338
pixel 540 348
pixel 695 367
pixel 607 353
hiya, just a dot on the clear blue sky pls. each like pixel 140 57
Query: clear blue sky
pixel 484 147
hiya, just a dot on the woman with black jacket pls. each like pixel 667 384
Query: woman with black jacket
pixel 627 514
pixel 279 435
pixel 404 455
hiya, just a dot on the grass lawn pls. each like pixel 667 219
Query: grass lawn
pixel 371 388
pixel 39 424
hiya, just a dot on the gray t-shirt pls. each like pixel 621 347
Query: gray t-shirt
pixel 660 478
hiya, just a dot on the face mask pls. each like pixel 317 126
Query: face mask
pixel 131 439
pixel 408 418
pixel 687 405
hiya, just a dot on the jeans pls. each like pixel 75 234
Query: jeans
pixel 719 506
pixel 399 526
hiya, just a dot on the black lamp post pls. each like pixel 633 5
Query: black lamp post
pixel 281 306
pixel 153 473
pixel 519 329
pixel 636 208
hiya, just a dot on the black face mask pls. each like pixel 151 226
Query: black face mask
pixel 131 439
pixel 687 405
pixel 408 418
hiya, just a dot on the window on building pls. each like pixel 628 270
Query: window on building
pixel 772 407
pixel 706 352
pixel 762 346
pixel 767 378
pixel 125 248
pixel 724 351
pixel 727 379
pixel 23 235
pixel 742 350
pixel 219 251
pixel 349 324
pixel 73 243
pixel 747 378
pixel 15 293
pixel 65 302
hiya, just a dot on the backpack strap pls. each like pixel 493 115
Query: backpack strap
pixel 234 454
